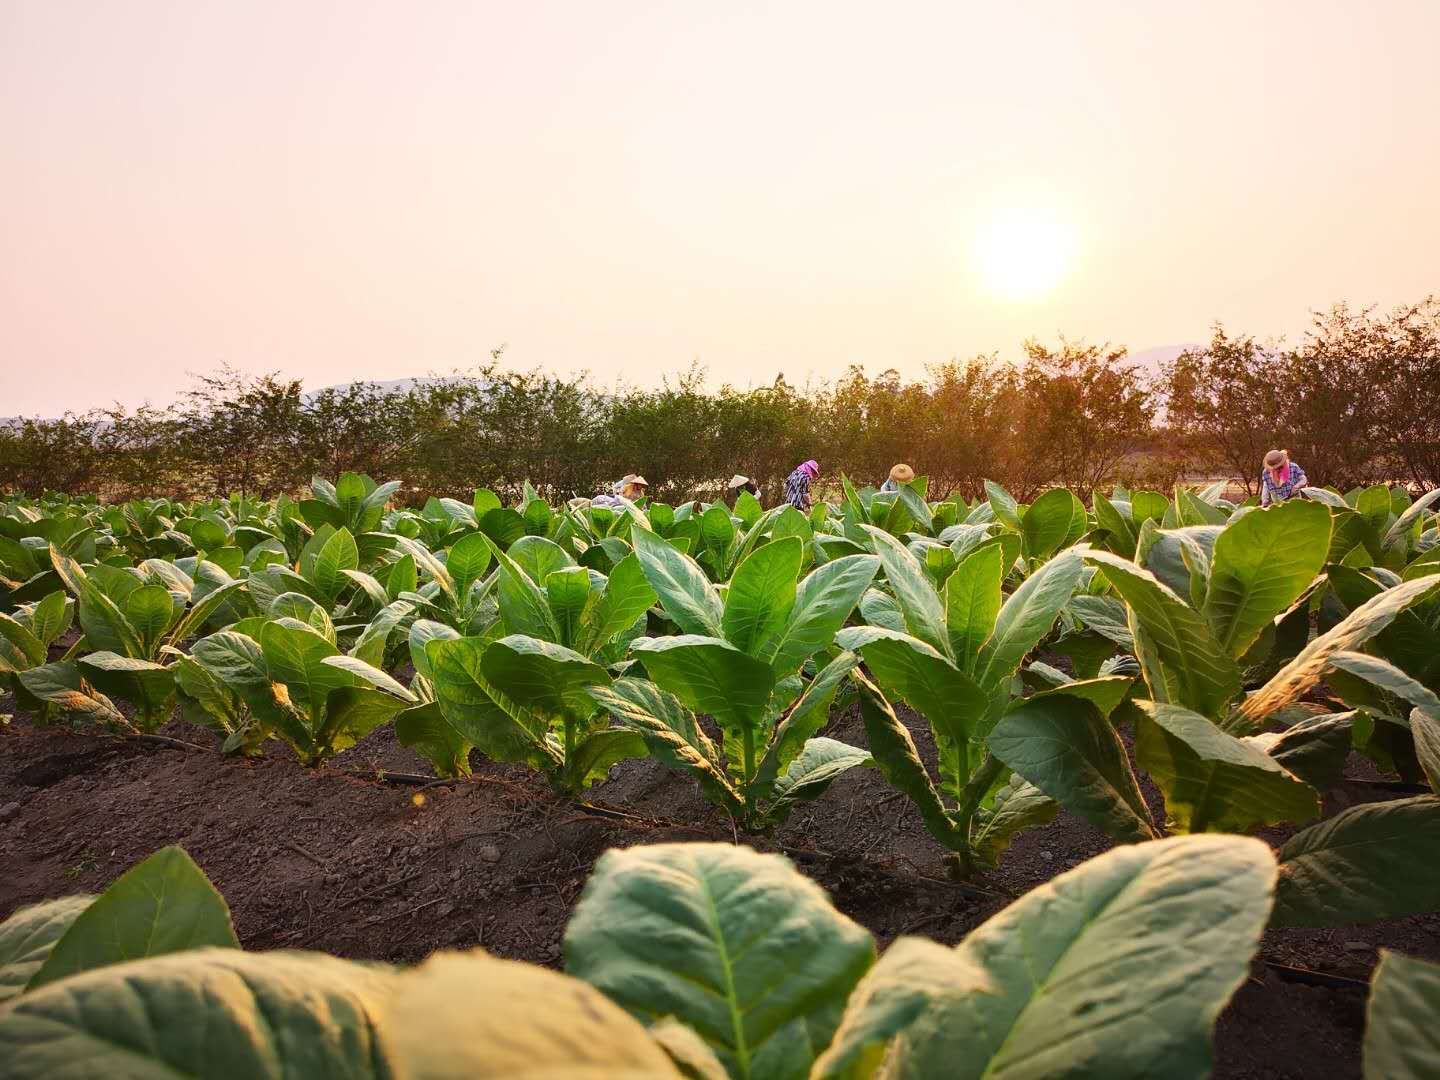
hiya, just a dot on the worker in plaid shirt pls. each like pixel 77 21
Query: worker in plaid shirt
pixel 797 485
pixel 1281 478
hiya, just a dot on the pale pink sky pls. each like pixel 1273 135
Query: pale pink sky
pixel 377 190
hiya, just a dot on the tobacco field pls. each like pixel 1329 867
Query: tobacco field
pixel 1124 784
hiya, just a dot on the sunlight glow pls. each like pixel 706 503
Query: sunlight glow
pixel 1023 253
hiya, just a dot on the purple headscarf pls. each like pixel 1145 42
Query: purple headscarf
pixel 811 467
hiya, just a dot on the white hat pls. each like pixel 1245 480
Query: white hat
pixel 738 481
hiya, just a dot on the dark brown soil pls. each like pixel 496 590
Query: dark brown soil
pixel 348 864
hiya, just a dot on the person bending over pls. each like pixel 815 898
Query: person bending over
pixel 1281 478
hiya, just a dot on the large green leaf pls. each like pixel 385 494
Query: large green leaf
pixel 896 757
pixel 543 676
pixel 762 595
pixel 710 675
pixel 1262 562
pixel 217 1013
pixel 911 670
pixel 682 587
pixel 805 718
pixel 812 771
pixel 295 656
pixel 1018 805
pixel 1402 1040
pixel 627 596
pixel 735 944
pixel 25 649
pixel 150 609
pixel 1116 969
pixel 425 729
pixel 972 602
pixel 1214 782
pixel 1046 523
pixel 1354 630
pixel 148 685
pixel 62 684
pixel 467 560
pixel 503 730
pixel 1065 746
pixel 161 905
pixel 570 592
pixel 914 593
pixel 338 554
pixel 1369 862
pixel 1183 662
pixel 1027 616
pixel 1389 678
pixel 671 735
pixel 823 602
pixel 27 937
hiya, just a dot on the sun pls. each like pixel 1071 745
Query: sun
pixel 1023 253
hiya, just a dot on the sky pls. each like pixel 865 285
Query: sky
pixel 345 190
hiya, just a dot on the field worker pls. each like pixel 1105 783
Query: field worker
pixel 632 487
pixel 900 474
pixel 1281 478
pixel 797 485
pixel 740 483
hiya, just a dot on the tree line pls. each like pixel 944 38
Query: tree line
pixel 1356 401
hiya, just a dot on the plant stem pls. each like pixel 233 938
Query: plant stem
pixel 970 798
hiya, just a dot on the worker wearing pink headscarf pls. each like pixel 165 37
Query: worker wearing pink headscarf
pixel 797 485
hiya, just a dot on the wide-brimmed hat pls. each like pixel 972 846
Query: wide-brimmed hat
pixel 635 478
pixel 1275 458
pixel 902 474
pixel 738 481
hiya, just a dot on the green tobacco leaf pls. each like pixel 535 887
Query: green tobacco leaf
pixel 27 937
pixel 524 607
pixel 1027 616
pixel 1003 504
pixel 295 656
pixel 377 678
pixel 735 944
pixel 1065 747
pixel 1370 862
pixel 1314 749
pixel 1183 663
pixel 1214 782
pixel 823 602
pixel 469 1015
pixel 627 596
pixel 710 675
pixel 972 602
pixel 1046 524
pixel 1262 562
pixel 338 554
pixel 501 729
pixel 424 728
pixel 595 754
pixel 1389 678
pixel 682 587
pixel 911 670
pixel 467 560
pixel 897 759
pixel 570 593
pixel 150 609
pixel 1019 805
pixel 1402 1040
pixel 162 905
pixel 762 595
pixel 1354 630
pixel 803 721
pixel 1123 534
pixel 671 735
pixel 1411 515
pixel 540 675
pixel 1116 969
pixel 1425 727
pixel 148 685
pixel 351 713
pixel 812 771
pixel 212 1013
pixel 918 601
pixel 25 649
pixel 61 684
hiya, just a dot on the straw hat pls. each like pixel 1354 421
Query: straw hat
pixel 738 481
pixel 902 474
pixel 1275 458
pixel 634 478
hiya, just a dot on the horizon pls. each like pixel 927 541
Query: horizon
pixel 362 192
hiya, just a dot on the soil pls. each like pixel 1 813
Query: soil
pixel 340 861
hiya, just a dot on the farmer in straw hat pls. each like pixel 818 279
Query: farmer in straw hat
pixel 900 474
pixel 632 487
pixel 1281 478
pixel 740 483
